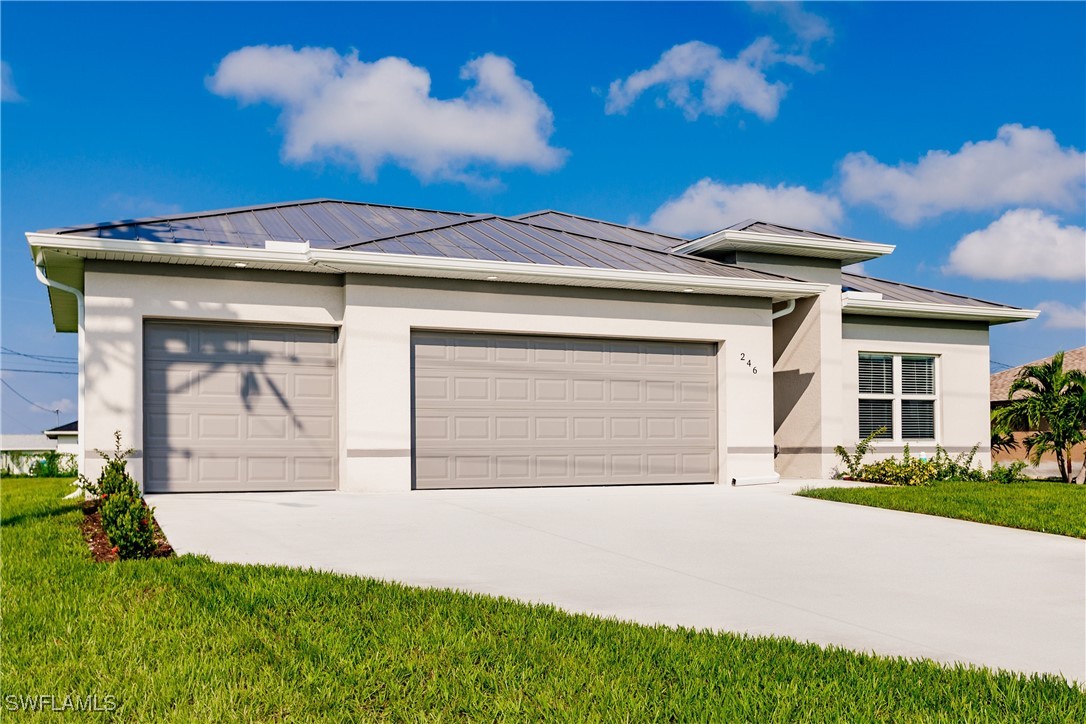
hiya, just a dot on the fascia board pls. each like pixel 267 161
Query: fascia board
pixel 924 310
pixel 354 262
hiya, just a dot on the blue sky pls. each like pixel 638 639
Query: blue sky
pixel 955 131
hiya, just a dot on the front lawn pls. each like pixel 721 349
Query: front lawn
pixel 1034 505
pixel 187 639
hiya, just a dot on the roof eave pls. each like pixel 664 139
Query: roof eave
pixel 848 251
pixel 333 261
pixel 925 310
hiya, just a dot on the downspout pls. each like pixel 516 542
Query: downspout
pixel 39 268
pixel 789 307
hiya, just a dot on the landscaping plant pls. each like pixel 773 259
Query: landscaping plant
pixel 1053 404
pixel 919 471
pixel 126 519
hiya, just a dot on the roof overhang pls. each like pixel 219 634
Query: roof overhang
pixel 847 251
pixel 927 310
pixel 64 256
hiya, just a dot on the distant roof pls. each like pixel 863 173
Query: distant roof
pixel 602 229
pixel 765 227
pixel 68 427
pixel 324 223
pixel 899 292
pixel 1000 382
pixel 26 443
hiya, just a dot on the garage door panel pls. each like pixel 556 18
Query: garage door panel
pixel 239 407
pixel 507 410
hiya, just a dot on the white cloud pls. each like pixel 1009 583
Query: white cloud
pixel 709 206
pixel 1058 315
pixel 8 92
pixel 339 107
pixel 698 79
pixel 1022 244
pixel 806 26
pixel 1019 166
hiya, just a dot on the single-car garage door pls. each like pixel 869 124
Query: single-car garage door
pixel 230 407
pixel 515 411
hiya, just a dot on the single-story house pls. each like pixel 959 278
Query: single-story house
pixel 20 454
pixel 66 438
pixel 337 345
pixel 999 392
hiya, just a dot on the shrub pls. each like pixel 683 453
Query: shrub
pixel 854 462
pixel 127 522
pixel 126 519
pixel 1006 474
pixel 910 471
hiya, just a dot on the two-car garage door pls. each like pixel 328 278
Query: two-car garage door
pixel 514 411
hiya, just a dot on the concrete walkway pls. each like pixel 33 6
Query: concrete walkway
pixel 754 560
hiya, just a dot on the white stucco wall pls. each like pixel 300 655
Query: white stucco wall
pixel 961 369
pixel 381 313
pixel 375 316
pixel 120 297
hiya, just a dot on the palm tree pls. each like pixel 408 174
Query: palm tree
pixel 1054 405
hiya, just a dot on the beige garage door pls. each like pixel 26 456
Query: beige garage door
pixel 231 407
pixel 516 411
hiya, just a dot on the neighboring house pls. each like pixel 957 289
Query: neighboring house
pixel 66 437
pixel 1000 387
pixel 19 454
pixel 335 345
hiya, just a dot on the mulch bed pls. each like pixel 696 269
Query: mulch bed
pixel 101 549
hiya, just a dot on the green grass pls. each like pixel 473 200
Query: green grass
pixel 187 639
pixel 1033 505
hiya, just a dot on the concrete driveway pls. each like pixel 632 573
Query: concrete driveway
pixel 754 560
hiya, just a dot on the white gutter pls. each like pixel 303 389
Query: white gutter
pixel 39 269
pixel 780 243
pixel 355 262
pixel 788 309
pixel 927 310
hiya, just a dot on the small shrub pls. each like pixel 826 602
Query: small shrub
pixel 1006 473
pixel 910 471
pixel 959 467
pixel 127 522
pixel 854 462
pixel 126 519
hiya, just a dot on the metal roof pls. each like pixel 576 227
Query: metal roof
pixel 899 292
pixel 605 230
pixel 495 238
pixel 324 223
pixel 765 227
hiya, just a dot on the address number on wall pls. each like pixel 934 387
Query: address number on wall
pixel 743 358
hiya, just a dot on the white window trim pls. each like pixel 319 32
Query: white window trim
pixel 897 396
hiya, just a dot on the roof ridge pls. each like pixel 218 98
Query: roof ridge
pixel 927 289
pixel 235 210
pixel 522 217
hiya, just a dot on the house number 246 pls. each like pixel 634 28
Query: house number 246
pixel 743 358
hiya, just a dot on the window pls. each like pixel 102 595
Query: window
pixel 897 392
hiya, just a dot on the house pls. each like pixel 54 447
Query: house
pixel 66 438
pixel 337 345
pixel 999 393
pixel 20 454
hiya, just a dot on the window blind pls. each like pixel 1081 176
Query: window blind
pixel 875 414
pixel 876 374
pixel 917 376
pixel 918 419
